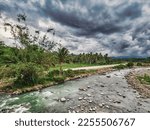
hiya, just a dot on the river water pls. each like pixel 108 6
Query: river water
pixel 98 93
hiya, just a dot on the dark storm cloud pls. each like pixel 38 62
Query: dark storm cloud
pixel 118 27
pixel 92 18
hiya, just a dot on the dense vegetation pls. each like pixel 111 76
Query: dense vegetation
pixel 35 59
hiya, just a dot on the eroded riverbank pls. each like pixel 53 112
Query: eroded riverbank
pixel 97 93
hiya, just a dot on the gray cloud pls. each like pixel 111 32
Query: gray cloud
pixel 119 27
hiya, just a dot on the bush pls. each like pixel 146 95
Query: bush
pixel 59 79
pixel 120 67
pixel 27 75
pixel 144 79
pixel 69 73
pixel 139 64
pixel 130 64
pixel 53 73
pixel 7 72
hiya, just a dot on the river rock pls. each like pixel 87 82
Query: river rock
pixel 124 96
pixel 134 91
pixel 63 99
pixel 89 95
pixel 101 105
pixel 139 104
pixel 90 109
pixel 88 87
pixel 107 106
pixel 118 102
pixel 102 86
pixel 80 98
pixel 90 101
pixel 102 93
pixel 119 94
pixel 82 89
pixel 108 76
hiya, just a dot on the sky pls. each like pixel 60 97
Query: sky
pixel 116 27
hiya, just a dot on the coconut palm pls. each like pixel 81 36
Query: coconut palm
pixel 62 55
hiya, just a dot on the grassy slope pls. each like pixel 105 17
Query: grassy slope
pixel 69 66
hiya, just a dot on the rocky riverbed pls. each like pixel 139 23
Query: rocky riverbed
pixel 109 92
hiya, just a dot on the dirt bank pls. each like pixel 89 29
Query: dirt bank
pixel 132 79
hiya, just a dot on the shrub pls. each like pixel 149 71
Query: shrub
pixel 130 64
pixel 120 66
pixel 59 79
pixel 139 64
pixel 69 73
pixel 7 72
pixel 27 75
pixel 53 73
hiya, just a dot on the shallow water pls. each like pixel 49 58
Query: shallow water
pixel 103 93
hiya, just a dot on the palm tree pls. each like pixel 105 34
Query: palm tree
pixel 62 55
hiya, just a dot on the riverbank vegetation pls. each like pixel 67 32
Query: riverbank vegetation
pixel 34 59
pixel 145 79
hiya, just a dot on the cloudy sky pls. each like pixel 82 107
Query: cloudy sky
pixel 116 27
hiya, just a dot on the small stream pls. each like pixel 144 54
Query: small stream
pixel 98 93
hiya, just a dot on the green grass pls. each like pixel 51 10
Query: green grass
pixel 144 79
pixel 69 66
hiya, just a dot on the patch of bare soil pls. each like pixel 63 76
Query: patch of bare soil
pixel 132 79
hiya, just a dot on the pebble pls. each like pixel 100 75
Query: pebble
pixel 107 106
pixel 101 105
pixel 89 95
pixel 88 87
pixel 82 109
pixel 102 93
pixel 90 109
pixel 63 99
pixel 134 91
pixel 94 109
pixel 124 96
pixel 138 96
pixel 102 86
pixel 90 101
pixel 82 89
pixel 119 94
pixel 118 102
pixel 139 104
pixel 108 76
pixel 80 98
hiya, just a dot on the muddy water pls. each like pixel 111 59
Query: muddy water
pixel 97 93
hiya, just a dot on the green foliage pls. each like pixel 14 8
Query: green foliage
pixel 7 72
pixel 144 79
pixel 27 76
pixel 139 64
pixel 62 54
pixel 69 73
pixel 90 58
pixel 121 66
pixel 59 79
pixel 53 73
pixel 130 64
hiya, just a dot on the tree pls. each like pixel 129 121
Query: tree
pixel 62 55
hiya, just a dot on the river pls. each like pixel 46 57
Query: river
pixel 109 92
